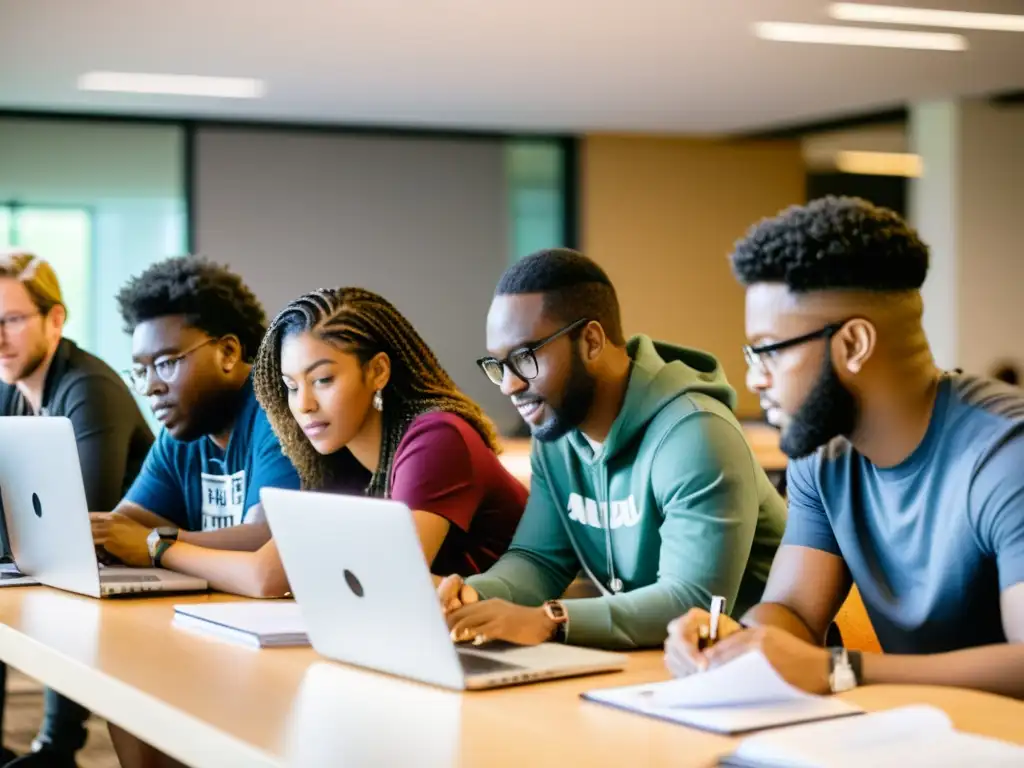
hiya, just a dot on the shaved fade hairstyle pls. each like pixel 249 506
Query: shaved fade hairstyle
pixel 573 286
pixel 834 243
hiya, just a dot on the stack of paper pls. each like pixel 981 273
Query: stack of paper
pixel 744 695
pixel 897 738
pixel 256 623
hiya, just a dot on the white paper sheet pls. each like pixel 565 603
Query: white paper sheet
pixel 743 695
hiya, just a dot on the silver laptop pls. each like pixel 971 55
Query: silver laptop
pixel 367 597
pixel 43 499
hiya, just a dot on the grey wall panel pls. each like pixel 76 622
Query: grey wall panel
pixel 423 222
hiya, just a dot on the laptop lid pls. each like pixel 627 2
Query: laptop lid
pixel 44 502
pixel 359 576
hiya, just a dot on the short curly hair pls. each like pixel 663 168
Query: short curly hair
pixel 210 296
pixel 574 287
pixel 833 243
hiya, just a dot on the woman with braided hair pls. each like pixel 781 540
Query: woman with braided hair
pixel 361 405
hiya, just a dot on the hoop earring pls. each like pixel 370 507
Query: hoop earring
pixel 378 401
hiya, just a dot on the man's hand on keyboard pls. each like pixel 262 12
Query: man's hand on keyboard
pixel 122 537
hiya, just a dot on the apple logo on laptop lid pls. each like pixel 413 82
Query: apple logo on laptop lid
pixel 353 583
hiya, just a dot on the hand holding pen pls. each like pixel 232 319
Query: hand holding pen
pixel 690 635
pixel 707 634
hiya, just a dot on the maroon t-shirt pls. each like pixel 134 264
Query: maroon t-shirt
pixel 443 466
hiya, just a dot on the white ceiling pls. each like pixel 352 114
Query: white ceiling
pixel 550 65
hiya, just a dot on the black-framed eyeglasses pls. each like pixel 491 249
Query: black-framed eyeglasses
pixel 522 361
pixel 759 357
pixel 166 369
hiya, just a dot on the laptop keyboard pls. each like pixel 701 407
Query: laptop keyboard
pixel 127 578
pixel 481 665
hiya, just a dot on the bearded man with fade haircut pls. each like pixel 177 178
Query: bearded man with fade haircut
pixel 906 480
pixel 641 475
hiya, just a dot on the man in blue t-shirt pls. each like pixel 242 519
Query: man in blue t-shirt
pixel 906 481
pixel 195 330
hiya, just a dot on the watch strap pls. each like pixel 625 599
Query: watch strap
pixel 160 549
pixel 857 664
pixel 561 633
pixel 557 613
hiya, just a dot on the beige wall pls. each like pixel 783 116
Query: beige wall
pixel 967 207
pixel 661 214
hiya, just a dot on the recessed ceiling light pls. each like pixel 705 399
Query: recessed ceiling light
pixel 925 17
pixel 173 85
pixel 826 34
pixel 880 163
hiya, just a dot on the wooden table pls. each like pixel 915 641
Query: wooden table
pixel 211 703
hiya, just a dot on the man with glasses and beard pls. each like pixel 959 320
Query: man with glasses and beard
pixel 906 480
pixel 641 474
pixel 44 374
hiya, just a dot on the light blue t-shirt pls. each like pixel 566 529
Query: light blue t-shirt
pixel 932 542
pixel 199 487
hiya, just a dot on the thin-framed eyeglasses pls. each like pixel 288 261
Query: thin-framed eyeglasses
pixel 15 322
pixel 166 369
pixel 523 360
pixel 760 358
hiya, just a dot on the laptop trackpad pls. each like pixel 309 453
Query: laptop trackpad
pixel 122 574
pixel 473 664
pixel 128 578
pixel 544 656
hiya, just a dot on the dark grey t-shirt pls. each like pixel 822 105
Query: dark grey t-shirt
pixel 112 435
pixel 932 542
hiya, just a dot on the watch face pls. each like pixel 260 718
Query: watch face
pixel 842 677
pixel 843 680
pixel 556 611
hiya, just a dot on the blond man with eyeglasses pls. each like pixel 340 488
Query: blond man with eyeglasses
pixel 44 374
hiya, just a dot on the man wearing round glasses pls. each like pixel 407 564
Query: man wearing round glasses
pixel 42 373
pixel 195 331
pixel 641 475
pixel 906 480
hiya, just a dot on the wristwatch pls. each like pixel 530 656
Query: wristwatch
pixel 555 611
pixel 159 541
pixel 844 670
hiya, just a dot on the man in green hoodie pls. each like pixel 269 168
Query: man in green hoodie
pixel 641 474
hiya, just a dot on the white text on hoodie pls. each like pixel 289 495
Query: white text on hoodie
pixel 624 514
